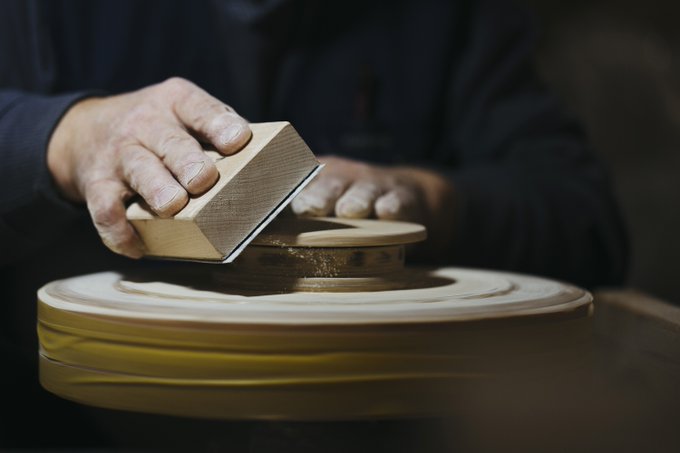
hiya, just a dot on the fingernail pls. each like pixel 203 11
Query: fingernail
pixel 231 133
pixel 166 195
pixel 192 170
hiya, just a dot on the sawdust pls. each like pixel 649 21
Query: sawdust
pixel 322 264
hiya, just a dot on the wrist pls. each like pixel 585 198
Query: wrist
pixel 60 149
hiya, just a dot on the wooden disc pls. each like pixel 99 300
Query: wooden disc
pixel 457 295
pixel 266 270
pixel 336 232
pixel 182 344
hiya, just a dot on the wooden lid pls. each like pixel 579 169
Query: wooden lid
pixel 336 232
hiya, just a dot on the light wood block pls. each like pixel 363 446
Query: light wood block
pixel 254 184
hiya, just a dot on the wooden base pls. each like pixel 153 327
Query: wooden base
pixel 159 346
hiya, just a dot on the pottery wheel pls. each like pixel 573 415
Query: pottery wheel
pixel 318 320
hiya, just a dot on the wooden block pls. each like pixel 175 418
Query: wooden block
pixel 254 183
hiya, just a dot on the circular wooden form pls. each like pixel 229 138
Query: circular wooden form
pixel 336 232
pixel 326 255
pixel 183 344
pixel 337 269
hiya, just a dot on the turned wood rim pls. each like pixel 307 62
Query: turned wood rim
pixel 337 232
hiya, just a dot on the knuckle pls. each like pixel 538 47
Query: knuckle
pixel 133 162
pixel 121 242
pixel 407 195
pixel 205 117
pixel 126 238
pixel 174 143
pixel 136 118
pixel 104 215
pixel 104 206
pixel 126 130
pixel 334 186
pixel 176 85
pixel 219 122
pixel 133 155
pixel 329 159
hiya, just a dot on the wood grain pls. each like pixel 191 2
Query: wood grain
pixel 252 183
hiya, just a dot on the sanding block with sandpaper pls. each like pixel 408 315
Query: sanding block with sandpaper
pixel 254 186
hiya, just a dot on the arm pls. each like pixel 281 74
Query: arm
pixel 31 211
pixel 32 214
pixel 146 142
pixel 59 153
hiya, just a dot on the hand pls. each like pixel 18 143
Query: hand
pixel 147 142
pixel 356 190
pixel 352 189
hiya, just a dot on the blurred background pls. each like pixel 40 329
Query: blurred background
pixel 616 65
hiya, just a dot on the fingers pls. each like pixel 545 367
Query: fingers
pixel 400 203
pixel 147 176
pixel 318 199
pixel 105 204
pixel 358 201
pixel 215 122
pixel 183 155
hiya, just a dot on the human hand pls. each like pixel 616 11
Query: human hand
pixel 147 142
pixel 352 189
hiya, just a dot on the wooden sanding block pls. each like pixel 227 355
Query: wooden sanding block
pixel 255 184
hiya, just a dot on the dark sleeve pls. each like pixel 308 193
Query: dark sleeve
pixel 31 211
pixel 531 196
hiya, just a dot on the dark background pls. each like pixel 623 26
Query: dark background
pixel 616 65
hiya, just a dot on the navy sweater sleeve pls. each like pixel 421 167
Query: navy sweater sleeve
pixel 531 196
pixel 31 211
